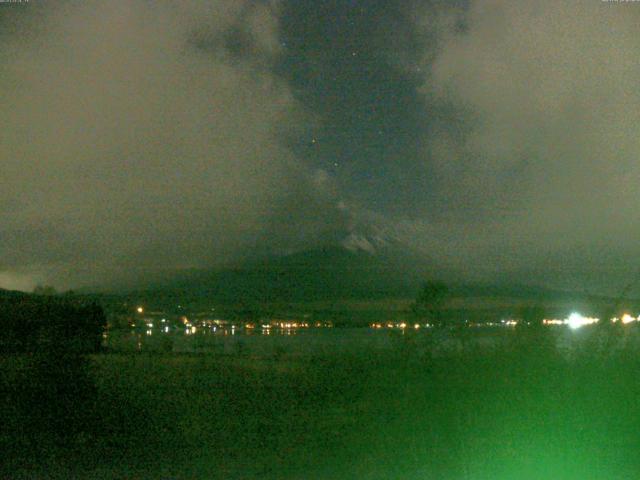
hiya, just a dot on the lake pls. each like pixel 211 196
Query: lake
pixel 330 404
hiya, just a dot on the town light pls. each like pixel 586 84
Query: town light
pixel 626 318
pixel 576 320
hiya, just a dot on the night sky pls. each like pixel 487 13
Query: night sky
pixel 499 139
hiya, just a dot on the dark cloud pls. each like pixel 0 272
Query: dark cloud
pixel 498 138
pixel 534 153
pixel 126 146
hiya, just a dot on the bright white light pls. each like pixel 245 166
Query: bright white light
pixel 553 321
pixel 140 309
pixel 576 320
pixel 626 318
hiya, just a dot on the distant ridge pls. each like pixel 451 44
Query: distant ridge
pixel 12 294
pixel 330 273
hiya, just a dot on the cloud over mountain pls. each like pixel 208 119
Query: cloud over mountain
pixel 138 137
pixel 537 151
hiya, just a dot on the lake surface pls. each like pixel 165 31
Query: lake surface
pixel 336 341
pixel 335 403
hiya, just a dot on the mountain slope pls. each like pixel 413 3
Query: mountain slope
pixel 318 274
pixel 360 271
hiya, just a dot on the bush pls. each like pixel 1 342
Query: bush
pixel 34 324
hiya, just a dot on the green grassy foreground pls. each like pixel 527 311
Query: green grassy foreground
pixel 522 411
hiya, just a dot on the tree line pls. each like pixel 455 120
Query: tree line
pixel 31 323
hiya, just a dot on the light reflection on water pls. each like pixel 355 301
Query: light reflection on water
pixel 309 341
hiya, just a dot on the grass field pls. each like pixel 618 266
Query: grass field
pixel 523 410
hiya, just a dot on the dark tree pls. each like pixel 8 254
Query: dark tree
pixel 532 315
pixel 51 400
pixel 430 303
pixel 44 290
pixel 42 323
